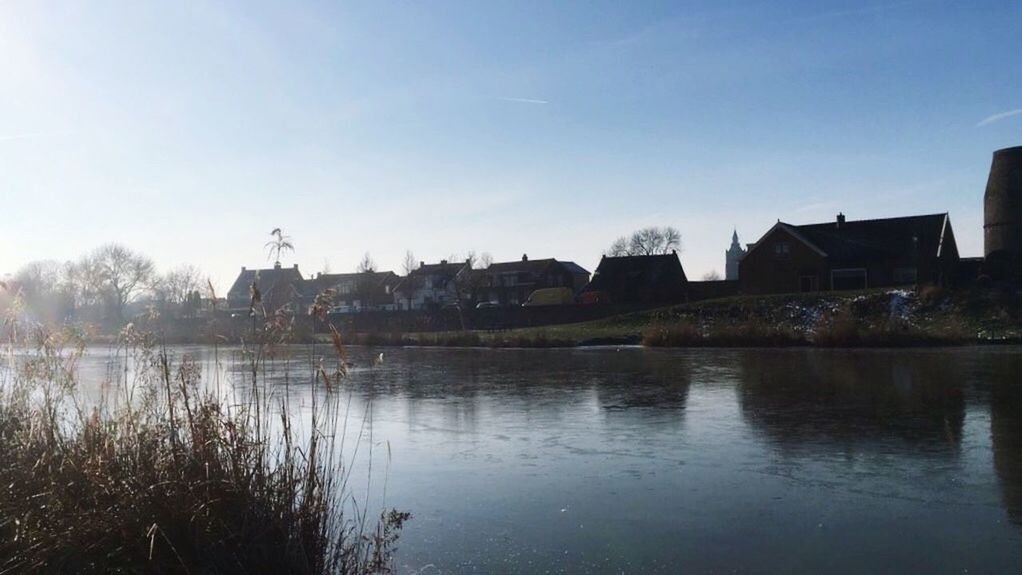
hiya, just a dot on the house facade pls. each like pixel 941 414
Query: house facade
pixel 278 288
pixel 431 286
pixel 354 292
pixel 850 255
pixel 511 283
pixel 641 279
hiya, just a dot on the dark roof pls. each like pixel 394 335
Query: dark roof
pixel 533 266
pixel 446 271
pixel 529 266
pixel 323 282
pixel 877 239
pixel 268 279
pixel 574 268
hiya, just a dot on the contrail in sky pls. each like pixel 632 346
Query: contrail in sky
pixel 524 100
pixel 998 117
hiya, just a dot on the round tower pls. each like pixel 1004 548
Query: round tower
pixel 1002 205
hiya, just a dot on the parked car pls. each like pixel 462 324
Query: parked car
pixel 487 305
pixel 550 296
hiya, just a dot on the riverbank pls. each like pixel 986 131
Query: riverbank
pixel 924 316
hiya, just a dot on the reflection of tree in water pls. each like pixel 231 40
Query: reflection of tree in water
pixel 1006 429
pixel 854 400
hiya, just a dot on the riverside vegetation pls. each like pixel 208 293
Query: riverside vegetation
pixel 920 316
pixel 169 473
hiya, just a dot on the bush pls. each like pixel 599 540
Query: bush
pixel 171 478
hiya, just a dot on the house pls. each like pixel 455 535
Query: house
pixel 430 286
pixel 850 255
pixel 641 279
pixel 360 291
pixel 511 283
pixel 279 287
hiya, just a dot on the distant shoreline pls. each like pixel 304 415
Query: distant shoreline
pixel 879 318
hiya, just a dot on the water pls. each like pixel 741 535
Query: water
pixel 705 461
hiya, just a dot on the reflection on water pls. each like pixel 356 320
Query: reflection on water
pixel 636 460
pixel 856 401
pixel 1005 373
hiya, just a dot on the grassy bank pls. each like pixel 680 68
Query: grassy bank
pixel 923 316
pixel 165 474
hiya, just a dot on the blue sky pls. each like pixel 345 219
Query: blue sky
pixel 189 130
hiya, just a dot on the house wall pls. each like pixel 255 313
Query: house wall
pixel 763 271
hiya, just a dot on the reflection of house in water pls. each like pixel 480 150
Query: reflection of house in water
pixel 1006 430
pixel 640 380
pixel 855 402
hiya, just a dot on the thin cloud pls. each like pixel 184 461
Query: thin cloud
pixel 524 100
pixel 998 117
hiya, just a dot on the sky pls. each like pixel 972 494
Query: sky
pixel 189 130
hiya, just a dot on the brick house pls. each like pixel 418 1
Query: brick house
pixel 850 255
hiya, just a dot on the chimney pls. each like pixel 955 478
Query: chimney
pixel 276 265
pixel 421 263
pixel 242 268
pixel 840 219
pixel 525 257
pixel 443 262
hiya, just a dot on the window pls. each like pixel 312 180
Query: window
pixel 906 275
pixel 808 283
pixel 782 249
pixel 850 278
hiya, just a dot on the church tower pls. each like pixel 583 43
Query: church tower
pixel 732 255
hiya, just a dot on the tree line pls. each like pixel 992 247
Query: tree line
pixel 99 286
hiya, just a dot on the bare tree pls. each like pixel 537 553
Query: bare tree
pixel 43 290
pixel 618 248
pixel 279 244
pixel 177 285
pixel 485 260
pixel 119 275
pixel 649 241
pixel 410 264
pixel 366 265
pixel 712 276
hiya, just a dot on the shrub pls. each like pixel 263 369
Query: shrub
pixel 170 477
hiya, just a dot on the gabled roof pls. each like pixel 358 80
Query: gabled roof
pixel 574 268
pixel 637 271
pixel 792 231
pixel 872 239
pixel 518 266
pixel 444 271
pixel 533 267
pixel 323 282
pixel 267 279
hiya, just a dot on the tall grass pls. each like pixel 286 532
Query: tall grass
pixel 167 473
